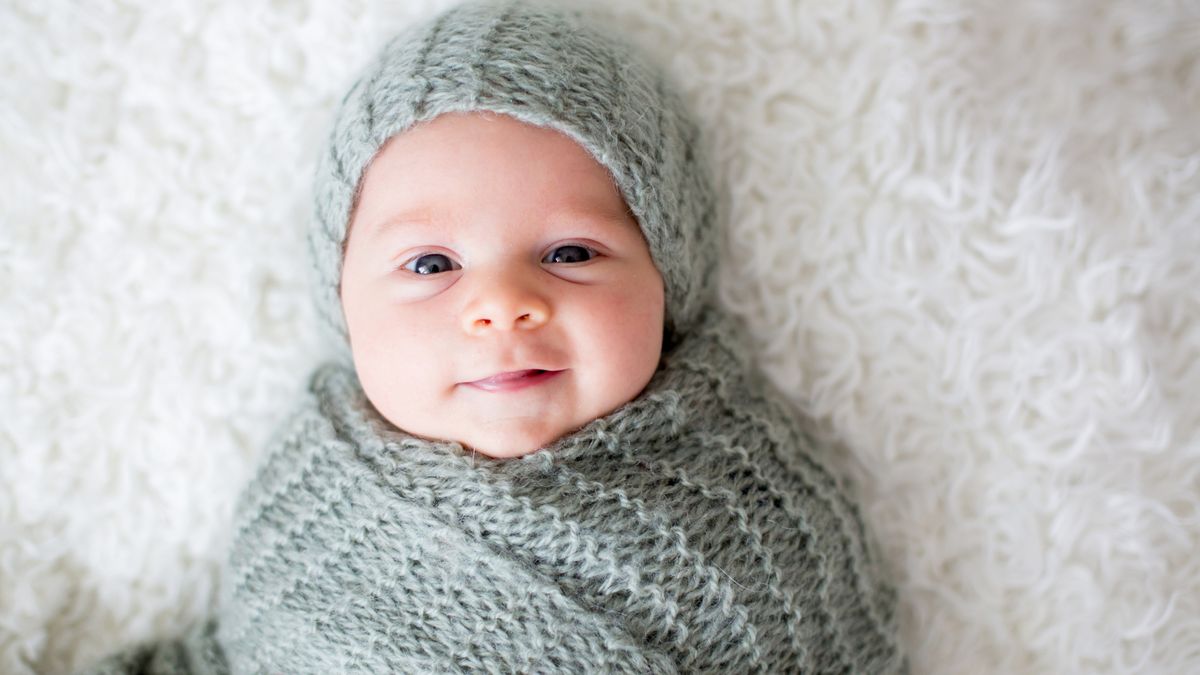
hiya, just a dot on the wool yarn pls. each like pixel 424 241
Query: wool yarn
pixel 690 530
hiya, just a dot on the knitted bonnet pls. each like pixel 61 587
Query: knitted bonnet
pixel 549 67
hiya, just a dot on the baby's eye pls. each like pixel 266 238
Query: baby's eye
pixel 430 263
pixel 571 253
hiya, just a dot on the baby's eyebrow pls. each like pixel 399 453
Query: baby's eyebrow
pixel 589 212
pixel 399 220
pixel 584 221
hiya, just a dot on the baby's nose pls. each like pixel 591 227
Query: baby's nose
pixel 505 304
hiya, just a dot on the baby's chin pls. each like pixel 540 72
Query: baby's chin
pixel 496 437
pixel 511 442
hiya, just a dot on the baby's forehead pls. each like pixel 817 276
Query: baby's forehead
pixel 447 169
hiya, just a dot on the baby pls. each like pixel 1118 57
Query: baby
pixel 497 290
pixel 541 446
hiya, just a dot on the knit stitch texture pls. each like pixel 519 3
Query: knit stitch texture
pixel 690 530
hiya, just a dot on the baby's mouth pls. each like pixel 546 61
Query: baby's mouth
pixel 515 379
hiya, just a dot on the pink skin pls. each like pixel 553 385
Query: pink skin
pixel 497 197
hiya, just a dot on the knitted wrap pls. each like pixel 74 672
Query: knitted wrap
pixel 545 66
pixel 690 530
pixel 685 532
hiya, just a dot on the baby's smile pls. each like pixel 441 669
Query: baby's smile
pixel 514 380
pixel 496 288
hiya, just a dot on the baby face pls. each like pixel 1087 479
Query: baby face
pixel 496 289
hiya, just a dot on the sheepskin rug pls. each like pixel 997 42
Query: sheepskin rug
pixel 964 235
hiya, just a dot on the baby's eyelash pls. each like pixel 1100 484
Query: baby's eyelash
pixel 452 265
pixel 426 254
pixel 592 252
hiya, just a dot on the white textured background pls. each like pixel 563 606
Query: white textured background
pixel 965 234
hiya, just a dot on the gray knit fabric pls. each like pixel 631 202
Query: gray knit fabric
pixel 685 532
pixel 691 530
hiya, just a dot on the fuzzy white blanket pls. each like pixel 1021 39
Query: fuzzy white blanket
pixel 965 237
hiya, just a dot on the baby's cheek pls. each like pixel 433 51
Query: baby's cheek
pixel 640 311
pixel 405 390
pixel 398 354
pixel 628 332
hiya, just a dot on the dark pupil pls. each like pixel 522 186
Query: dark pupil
pixel 432 264
pixel 573 254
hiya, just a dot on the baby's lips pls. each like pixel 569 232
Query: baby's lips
pixel 508 376
pixel 514 379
